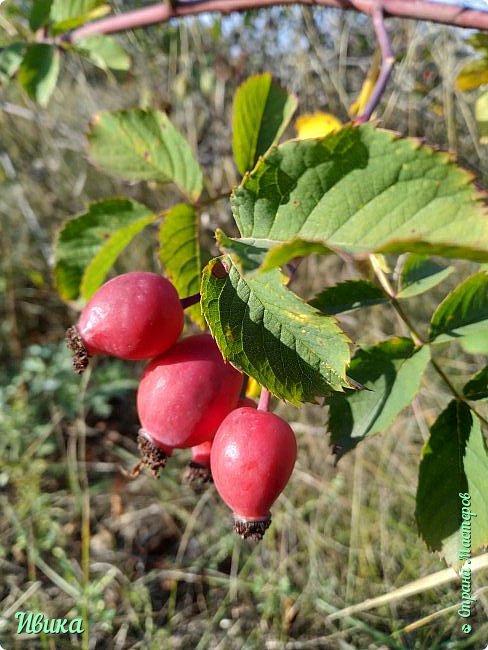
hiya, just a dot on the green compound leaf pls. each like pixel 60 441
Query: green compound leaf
pixel 144 145
pixel 454 462
pixel 88 245
pixel 347 296
pixel 392 371
pixel 477 386
pixel 11 58
pixel 363 190
pixel 39 70
pixel 475 343
pixel 104 52
pixel 179 252
pixel 264 254
pixel 70 14
pixel 39 14
pixel 262 111
pixel 419 274
pixel 464 311
pixel 269 333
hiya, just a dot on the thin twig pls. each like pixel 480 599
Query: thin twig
pixel 417 338
pixel 190 300
pixel 163 12
pixel 387 61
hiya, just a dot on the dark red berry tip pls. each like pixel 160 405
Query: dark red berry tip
pixel 75 344
pixel 252 528
pixel 197 475
pixel 152 456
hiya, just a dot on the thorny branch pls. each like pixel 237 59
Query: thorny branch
pixel 164 11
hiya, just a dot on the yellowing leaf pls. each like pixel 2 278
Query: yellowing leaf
pixel 316 125
pixel 367 88
pixel 473 75
pixel 253 388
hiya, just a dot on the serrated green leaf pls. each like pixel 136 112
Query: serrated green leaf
pixel 104 52
pixel 419 274
pixel 392 371
pixel 454 462
pixel 282 253
pixel 464 311
pixel 64 9
pixel 39 70
pixel 265 254
pixel 144 145
pixel 269 333
pixel 347 296
pixel 363 190
pixel 88 245
pixel 39 14
pixel 262 110
pixel 475 343
pixel 11 58
pixel 249 254
pixel 72 23
pixel 477 386
pixel 179 252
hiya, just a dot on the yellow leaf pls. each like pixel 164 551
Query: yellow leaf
pixel 253 388
pixel 316 125
pixel 473 75
pixel 368 84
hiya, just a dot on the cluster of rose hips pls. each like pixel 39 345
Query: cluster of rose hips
pixel 188 397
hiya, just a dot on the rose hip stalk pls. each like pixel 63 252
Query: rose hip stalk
pixel 135 315
pixel 185 394
pixel 252 458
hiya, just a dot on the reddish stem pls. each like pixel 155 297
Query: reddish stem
pixel 190 300
pixel 264 399
pixel 387 61
pixel 163 11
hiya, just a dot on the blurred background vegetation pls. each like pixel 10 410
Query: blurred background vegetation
pixel 152 564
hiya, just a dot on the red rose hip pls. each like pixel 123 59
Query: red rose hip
pixel 198 470
pixel 185 393
pixel 136 315
pixel 252 458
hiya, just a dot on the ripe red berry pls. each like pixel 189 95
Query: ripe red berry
pixel 252 458
pixel 198 469
pixel 136 315
pixel 185 393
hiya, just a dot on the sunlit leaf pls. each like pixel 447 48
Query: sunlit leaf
pixel 104 52
pixel 419 274
pixel 179 252
pixel 316 125
pixel 464 311
pixel 392 371
pixel 88 245
pixel 363 190
pixel 144 145
pixel 262 111
pixel 454 463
